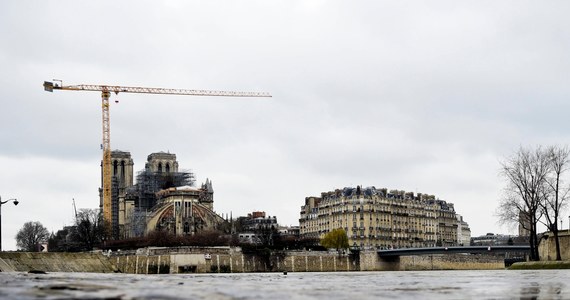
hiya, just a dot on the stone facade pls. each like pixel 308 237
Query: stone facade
pixel 183 211
pixel 524 223
pixel 122 179
pixel 378 218
pixel 139 209
pixel 463 232
pixel 162 162
pixel 257 220
pixel 446 224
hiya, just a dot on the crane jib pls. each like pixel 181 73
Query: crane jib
pixel 50 86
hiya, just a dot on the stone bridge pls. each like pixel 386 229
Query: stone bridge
pixel 449 250
pixel 390 259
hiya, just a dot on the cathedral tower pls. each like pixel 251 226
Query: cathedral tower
pixel 161 162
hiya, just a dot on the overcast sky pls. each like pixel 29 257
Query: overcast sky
pixel 422 96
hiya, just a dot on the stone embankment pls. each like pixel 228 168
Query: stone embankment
pixel 228 260
pixel 370 261
pixel 452 262
pixel 234 260
pixel 540 265
pixel 547 246
pixel 55 262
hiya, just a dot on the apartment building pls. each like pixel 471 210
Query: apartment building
pixel 382 219
pixel 463 232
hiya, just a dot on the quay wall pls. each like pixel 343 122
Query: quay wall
pixel 54 262
pixel 370 261
pixel 547 246
pixel 452 262
pixel 230 260
pixel 234 260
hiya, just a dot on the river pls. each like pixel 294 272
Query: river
pixel 498 284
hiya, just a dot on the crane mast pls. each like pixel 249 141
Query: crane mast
pixel 107 180
pixel 105 95
pixel 74 208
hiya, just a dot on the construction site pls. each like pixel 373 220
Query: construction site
pixel 163 197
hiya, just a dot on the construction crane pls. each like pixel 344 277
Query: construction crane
pixel 106 91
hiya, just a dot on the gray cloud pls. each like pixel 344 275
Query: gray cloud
pixel 425 97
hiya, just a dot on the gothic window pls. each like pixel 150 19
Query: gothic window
pixel 159 167
pixel 186 228
pixel 115 164
pixel 123 170
pixel 167 168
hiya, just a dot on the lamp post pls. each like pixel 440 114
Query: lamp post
pixel 2 203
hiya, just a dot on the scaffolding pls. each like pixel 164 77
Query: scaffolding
pixel 136 222
pixel 144 195
pixel 149 183
pixel 115 207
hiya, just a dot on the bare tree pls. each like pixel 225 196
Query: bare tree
pixel 31 235
pixel 557 193
pixel 526 173
pixel 90 228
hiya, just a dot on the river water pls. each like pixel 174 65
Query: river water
pixel 496 284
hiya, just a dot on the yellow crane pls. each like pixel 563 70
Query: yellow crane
pixel 106 91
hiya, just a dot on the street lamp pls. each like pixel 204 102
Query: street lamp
pixel 1 203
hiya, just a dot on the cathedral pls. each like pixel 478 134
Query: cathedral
pixel 163 198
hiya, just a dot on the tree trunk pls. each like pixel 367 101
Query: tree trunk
pixel 531 244
pixel 534 256
pixel 557 241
